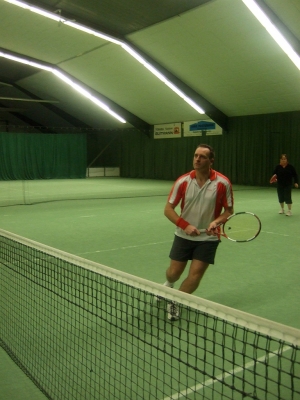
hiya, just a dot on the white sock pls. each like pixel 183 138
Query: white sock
pixel 168 284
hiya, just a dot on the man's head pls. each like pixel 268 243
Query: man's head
pixel 211 150
pixel 203 157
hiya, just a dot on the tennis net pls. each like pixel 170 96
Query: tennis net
pixel 28 192
pixel 81 330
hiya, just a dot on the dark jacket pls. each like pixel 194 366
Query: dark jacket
pixel 285 175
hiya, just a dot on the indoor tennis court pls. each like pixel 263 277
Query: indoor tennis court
pixel 103 105
pixel 125 229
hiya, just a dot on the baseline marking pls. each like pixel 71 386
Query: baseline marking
pixel 223 376
pixel 125 248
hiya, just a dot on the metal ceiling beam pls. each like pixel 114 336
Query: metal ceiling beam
pixel 29 100
pixel 30 122
pixel 62 114
pixel 5 84
pixel 136 122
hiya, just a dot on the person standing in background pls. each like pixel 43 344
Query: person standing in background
pixel 285 174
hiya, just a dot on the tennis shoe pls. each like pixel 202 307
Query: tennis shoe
pixel 173 311
pixel 159 298
pixel 288 214
pixel 281 211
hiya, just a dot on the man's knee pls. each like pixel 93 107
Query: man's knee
pixel 175 269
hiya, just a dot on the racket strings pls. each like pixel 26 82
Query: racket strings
pixel 242 227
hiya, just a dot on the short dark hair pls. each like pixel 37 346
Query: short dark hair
pixel 207 146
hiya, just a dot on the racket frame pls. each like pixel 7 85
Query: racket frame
pixel 222 225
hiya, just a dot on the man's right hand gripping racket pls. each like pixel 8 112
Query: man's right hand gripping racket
pixel 241 227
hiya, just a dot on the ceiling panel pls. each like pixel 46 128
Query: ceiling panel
pixel 130 84
pixel 215 50
pixel 226 51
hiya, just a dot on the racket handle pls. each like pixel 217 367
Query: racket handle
pixel 205 230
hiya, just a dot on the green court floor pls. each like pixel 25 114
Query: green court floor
pixel 126 229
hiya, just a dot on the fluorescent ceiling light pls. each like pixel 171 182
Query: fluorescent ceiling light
pixel 88 95
pixel 83 28
pixel 160 76
pixel 67 80
pixel 24 61
pixel 46 14
pixel 58 18
pixel 273 31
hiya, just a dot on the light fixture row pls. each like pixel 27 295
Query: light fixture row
pixel 251 4
pixel 126 47
pixel 273 31
pixel 65 79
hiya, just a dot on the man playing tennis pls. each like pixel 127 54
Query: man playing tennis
pixel 206 199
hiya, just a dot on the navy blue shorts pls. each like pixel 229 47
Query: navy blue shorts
pixel 284 194
pixel 184 250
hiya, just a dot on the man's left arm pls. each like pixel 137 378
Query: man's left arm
pixel 227 207
pixel 228 211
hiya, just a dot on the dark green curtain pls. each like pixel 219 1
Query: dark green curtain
pixel 254 145
pixel 42 156
pixel 247 153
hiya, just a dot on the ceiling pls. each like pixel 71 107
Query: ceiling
pixel 215 51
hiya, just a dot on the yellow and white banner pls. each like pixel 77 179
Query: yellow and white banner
pixel 167 131
pixel 199 128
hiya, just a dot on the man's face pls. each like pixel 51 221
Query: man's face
pixel 202 162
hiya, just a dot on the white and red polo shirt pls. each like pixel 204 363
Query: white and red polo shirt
pixel 200 206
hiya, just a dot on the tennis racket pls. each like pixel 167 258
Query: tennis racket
pixel 241 227
pixel 273 179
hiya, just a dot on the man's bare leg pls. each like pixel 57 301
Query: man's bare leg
pixel 196 272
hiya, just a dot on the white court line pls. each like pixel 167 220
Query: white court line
pixel 276 233
pixel 223 376
pixel 126 247
pixel 155 243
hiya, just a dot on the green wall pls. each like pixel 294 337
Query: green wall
pixel 247 153
pixel 25 156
